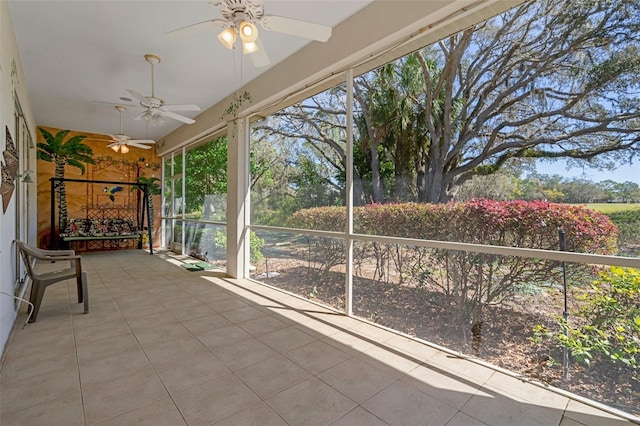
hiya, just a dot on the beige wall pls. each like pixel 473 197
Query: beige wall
pixel 12 83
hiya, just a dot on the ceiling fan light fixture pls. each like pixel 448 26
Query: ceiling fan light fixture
pixel 116 148
pixel 227 37
pixel 249 47
pixel 124 149
pixel 248 32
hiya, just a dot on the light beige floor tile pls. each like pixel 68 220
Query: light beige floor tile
pixel 215 297
pixel 263 325
pixel 310 403
pixel 138 311
pixel 109 346
pixel 272 375
pixel 357 380
pixel 95 370
pixel 101 331
pixel 444 386
pixel 29 339
pixel 163 334
pixel 570 422
pixel 259 414
pixel 206 324
pixel 317 356
pixel 459 365
pixel 419 351
pixel 22 393
pixel 99 318
pixel 215 400
pixel 393 363
pixel 21 365
pixel 159 413
pixel 110 398
pixel 286 339
pixel 359 417
pixel 372 332
pixel 244 314
pixel 65 411
pixel 348 342
pixel 189 371
pixel 526 391
pixel 226 305
pixel 161 352
pixel 461 419
pixel 223 336
pixel 405 405
pixel 588 415
pixel 139 324
pixel 244 353
pixel 180 301
pixel 192 312
pixel 496 409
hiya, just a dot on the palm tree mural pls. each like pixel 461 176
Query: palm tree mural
pixel 60 152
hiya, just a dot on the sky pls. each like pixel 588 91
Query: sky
pixel 622 173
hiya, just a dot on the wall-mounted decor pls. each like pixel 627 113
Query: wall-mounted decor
pixel 9 171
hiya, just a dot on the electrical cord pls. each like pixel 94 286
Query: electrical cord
pixel 23 300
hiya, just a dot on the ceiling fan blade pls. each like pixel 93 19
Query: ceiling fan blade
pixel 186 107
pixel 131 143
pixel 141 115
pixel 260 58
pixel 136 95
pixel 296 27
pixel 195 29
pixel 141 141
pixel 178 117
pixel 112 144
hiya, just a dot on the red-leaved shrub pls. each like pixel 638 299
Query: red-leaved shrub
pixel 468 280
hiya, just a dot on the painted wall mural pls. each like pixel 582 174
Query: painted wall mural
pixel 93 200
pixel 9 171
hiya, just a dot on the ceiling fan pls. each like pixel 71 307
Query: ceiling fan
pixel 122 142
pixel 240 19
pixel 154 108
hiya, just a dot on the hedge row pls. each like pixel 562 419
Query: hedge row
pixel 527 224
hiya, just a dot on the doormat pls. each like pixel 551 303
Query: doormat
pixel 198 266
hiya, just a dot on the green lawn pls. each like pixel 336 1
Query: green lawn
pixel 612 207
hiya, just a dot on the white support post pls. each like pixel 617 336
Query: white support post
pixel 237 198
pixel 348 296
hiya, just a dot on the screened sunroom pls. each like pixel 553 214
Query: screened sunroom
pixel 429 219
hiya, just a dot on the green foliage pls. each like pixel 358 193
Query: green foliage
pixel 214 240
pixel 469 280
pixel 255 248
pixel 206 174
pixel 607 328
pixel 628 223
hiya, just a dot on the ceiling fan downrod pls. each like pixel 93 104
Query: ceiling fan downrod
pixel 153 60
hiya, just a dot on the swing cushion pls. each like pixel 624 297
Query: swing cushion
pixel 99 228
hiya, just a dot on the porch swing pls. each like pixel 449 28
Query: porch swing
pixel 102 225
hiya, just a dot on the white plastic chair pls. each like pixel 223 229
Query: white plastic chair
pixel 40 281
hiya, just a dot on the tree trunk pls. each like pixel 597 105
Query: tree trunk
pixel 403 174
pixel 62 195
pixel 376 182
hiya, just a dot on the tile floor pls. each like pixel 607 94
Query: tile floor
pixel 164 346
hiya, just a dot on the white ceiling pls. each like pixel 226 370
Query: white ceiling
pixel 80 56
